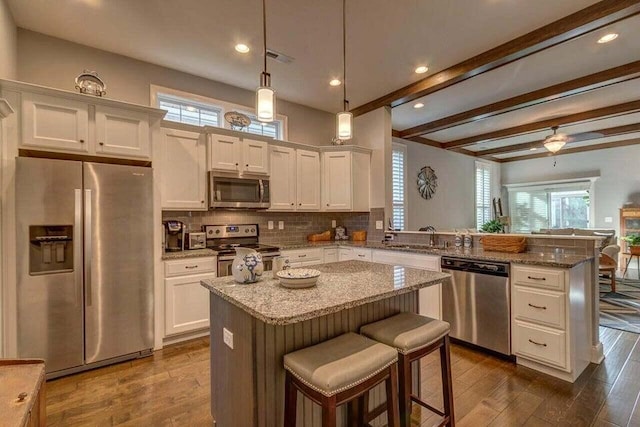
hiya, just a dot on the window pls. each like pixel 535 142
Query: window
pixel 197 110
pixel 399 185
pixel 553 205
pixel 483 193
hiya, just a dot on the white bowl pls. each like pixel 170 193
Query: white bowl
pixel 296 278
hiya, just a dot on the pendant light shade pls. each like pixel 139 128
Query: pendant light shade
pixel 265 101
pixel 265 95
pixel 344 125
pixel 344 119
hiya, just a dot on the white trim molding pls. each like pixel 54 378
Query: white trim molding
pixel 5 108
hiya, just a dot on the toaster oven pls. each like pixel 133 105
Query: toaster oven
pixel 196 240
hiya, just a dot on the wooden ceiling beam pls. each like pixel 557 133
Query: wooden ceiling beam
pixel 611 110
pixel 574 150
pixel 614 131
pixel 552 93
pixel 596 16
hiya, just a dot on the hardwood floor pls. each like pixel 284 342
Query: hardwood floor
pixel 171 388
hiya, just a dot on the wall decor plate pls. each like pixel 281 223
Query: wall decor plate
pixel 238 121
pixel 90 83
pixel 427 182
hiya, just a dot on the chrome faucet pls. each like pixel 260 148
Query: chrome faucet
pixel 432 238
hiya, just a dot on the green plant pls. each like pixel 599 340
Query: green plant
pixel 493 226
pixel 633 240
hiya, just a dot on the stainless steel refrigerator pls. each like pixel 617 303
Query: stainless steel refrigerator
pixel 84 262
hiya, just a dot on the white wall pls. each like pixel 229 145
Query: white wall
pixel 8 43
pixel 373 130
pixel 619 181
pixel 453 205
pixel 53 62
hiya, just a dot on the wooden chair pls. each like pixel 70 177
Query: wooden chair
pixel 608 263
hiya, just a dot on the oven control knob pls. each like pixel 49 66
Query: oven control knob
pixel 217 231
pixel 253 230
pixel 246 230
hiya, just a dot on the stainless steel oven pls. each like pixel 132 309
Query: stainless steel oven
pixel 238 193
pixel 225 263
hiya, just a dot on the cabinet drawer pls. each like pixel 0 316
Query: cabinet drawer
pixel 330 254
pixel 361 254
pixel 539 277
pixel 542 344
pixel 189 266
pixel 539 306
pixel 304 255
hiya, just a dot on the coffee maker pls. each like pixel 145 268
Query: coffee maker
pixel 174 235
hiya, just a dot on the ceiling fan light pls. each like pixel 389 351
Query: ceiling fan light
pixel 554 143
pixel 344 122
pixel 266 104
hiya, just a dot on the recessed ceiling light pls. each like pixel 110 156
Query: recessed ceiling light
pixel 422 69
pixel 533 149
pixel 418 105
pixel 335 82
pixel 607 38
pixel 242 48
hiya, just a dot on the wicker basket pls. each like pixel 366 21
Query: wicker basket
pixel 513 244
pixel 321 237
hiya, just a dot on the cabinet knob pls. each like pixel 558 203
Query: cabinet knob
pixel 101 143
pixel 82 141
pixel 327 204
pixel 202 201
pixel 247 165
pixel 292 204
pixel 299 204
pixel 236 164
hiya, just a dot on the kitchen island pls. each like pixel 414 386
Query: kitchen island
pixel 267 321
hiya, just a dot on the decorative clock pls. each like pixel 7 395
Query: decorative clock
pixel 427 182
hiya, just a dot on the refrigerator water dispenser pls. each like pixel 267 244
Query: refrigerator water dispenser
pixel 50 249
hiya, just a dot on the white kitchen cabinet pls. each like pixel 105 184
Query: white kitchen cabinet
pixel 283 178
pixel 294 180
pixel 255 157
pixel 303 257
pixel 225 153
pixel 361 254
pixel 549 319
pixel 430 298
pixel 345 254
pixel 345 181
pixel 55 124
pixel 122 133
pixel 308 180
pixel 232 154
pixel 186 301
pixel 330 254
pixel 183 170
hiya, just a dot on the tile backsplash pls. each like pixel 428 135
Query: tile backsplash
pixel 297 225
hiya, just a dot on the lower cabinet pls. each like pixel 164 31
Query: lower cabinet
pixel 186 301
pixel 330 254
pixel 550 329
pixel 430 299
pixel 345 254
pixel 304 257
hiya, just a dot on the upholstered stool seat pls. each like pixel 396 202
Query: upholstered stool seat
pixel 414 337
pixel 337 371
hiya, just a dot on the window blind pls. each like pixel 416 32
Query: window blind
pixel 398 163
pixel 483 193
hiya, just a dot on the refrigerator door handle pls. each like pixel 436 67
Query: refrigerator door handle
pixel 87 245
pixel 77 242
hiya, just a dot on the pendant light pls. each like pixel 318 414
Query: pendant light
pixel 556 141
pixel 344 119
pixel 265 95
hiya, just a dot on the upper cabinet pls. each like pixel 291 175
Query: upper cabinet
pixel 232 154
pixel 345 181
pixel 54 123
pixel 66 122
pixel 122 133
pixel 294 179
pixel 183 168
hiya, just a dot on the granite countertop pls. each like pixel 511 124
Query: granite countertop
pixel 530 258
pixel 192 253
pixel 341 286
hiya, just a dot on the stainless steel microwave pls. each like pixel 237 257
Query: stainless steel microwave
pixel 238 193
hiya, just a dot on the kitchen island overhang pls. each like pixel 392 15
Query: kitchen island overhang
pixel 267 321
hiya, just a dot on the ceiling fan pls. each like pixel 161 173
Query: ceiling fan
pixel 555 142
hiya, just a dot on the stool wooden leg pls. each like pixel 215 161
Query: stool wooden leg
pixel 447 386
pixel 393 418
pixel 404 395
pixel 613 281
pixel 329 412
pixel 290 401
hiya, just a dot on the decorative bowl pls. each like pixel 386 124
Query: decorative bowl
pixel 296 278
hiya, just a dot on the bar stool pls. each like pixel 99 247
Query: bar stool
pixel 337 371
pixel 414 337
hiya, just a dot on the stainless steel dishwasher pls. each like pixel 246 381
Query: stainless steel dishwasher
pixel 477 303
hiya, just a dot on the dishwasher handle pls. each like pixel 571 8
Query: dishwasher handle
pixel 475 266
